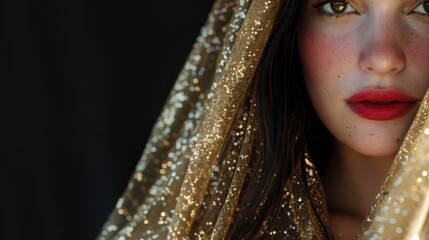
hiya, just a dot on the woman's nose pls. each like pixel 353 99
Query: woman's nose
pixel 382 52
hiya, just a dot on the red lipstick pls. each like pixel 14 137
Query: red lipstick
pixel 381 104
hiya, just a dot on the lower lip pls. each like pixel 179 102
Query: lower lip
pixel 381 111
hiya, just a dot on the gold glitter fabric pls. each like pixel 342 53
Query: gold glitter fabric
pixel 188 182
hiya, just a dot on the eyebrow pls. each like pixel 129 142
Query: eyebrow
pixel 316 3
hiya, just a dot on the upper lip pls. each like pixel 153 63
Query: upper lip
pixel 374 95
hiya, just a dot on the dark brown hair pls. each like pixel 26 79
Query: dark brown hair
pixel 288 128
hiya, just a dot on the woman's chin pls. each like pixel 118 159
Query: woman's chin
pixel 377 147
pixel 373 138
pixel 373 152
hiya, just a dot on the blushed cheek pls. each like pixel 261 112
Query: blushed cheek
pixel 311 53
pixel 325 59
pixel 418 60
pixel 419 53
pixel 322 56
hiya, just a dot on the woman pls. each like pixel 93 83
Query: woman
pixel 239 150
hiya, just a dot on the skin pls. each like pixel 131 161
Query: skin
pixel 376 44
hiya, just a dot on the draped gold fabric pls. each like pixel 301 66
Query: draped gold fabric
pixel 188 181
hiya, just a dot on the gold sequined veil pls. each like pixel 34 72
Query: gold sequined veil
pixel 188 181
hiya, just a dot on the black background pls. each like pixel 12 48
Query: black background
pixel 81 85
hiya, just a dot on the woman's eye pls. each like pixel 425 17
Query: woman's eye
pixel 422 8
pixel 337 8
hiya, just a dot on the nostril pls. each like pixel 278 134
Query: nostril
pixel 382 56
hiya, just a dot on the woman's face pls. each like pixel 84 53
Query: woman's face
pixel 366 67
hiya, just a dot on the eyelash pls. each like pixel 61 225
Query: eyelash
pixel 320 4
pixel 420 3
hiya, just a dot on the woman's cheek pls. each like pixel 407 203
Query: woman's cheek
pixel 329 74
pixel 418 63
pixel 324 56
